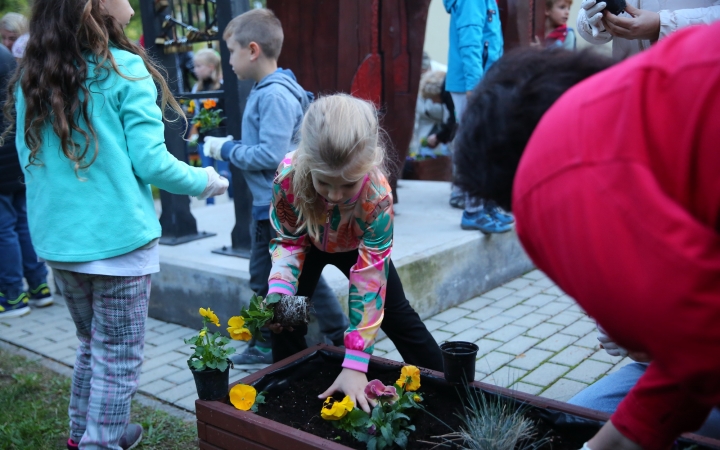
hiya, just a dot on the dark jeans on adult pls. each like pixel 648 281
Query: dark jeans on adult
pixel 18 258
pixel 401 323
pixel 331 318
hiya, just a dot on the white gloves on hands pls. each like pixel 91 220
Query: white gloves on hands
pixel 610 347
pixel 213 145
pixel 216 185
pixel 590 20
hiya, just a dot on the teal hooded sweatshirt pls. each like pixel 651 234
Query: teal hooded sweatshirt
pixel 106 209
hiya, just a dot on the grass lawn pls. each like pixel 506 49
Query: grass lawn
pixel 33 411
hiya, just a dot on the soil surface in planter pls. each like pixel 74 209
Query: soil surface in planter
pixel 292 400
pixel 298 406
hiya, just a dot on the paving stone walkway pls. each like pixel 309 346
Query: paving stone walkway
pixel 532 338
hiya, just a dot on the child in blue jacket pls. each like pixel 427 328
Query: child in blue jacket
pixel 271 120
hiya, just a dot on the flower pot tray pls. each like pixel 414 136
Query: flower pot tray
pixel 221 426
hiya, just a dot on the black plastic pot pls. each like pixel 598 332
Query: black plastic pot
pixel 615 6
pixel 212 384
pixel 459 361
pixel 215 132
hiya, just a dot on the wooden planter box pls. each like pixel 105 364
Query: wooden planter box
pixel 221 426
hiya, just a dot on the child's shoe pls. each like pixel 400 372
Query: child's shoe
pixel 252 355
pixel 482 221
pixel 496 213
pixel 130 439
pixel 14 307
pixel 40 296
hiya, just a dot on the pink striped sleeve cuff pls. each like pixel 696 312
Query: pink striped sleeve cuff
pixel 356 360
pixel 281 287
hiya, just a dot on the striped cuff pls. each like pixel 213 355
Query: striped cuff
pixel 281 287
pixel 356 360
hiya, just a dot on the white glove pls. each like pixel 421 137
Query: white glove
pixel 585 447
pixel 610 347
pixel 590 19
pixel 213 145
pixel 216 184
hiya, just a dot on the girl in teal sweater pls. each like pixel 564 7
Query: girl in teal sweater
pixel 90 137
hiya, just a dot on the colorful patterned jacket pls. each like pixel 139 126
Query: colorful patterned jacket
pixel 364 223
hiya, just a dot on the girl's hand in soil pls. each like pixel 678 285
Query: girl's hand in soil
pixel 352 383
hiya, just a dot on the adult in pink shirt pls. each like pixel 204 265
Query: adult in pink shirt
pixel 617 199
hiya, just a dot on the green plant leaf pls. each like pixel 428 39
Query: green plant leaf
pixel 211 364
pixel 198 364
pixel 401 440
pixel 386 432
pixel 358 418
pixel 222 365
pixel 372 443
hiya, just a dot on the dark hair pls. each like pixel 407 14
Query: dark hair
pixel 260 26
pixel 53 72
pixel 504 110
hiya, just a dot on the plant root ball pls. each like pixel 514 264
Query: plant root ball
pixel 292 311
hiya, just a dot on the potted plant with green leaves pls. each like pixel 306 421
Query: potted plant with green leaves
pixel 209 119
pixel 209 362
pixel 286 310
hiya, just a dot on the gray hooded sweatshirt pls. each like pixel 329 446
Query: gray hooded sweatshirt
pixel 270 126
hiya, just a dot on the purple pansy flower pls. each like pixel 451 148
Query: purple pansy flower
pixel 376 390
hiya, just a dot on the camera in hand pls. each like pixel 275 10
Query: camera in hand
pixel 615 6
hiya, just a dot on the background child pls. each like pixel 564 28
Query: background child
pixel 557 33
pixel 208 71
pixel 18 255
pixel 12 26
pixel 332 204
pixel 271 120
pixel 90 208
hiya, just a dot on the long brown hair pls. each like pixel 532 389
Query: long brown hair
pixel 64 36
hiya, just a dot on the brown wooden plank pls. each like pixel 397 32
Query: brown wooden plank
pixel 206 446
pixel 228 441
pixel 260 429
pixel 201 430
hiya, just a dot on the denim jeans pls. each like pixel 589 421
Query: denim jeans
pixel 18 255
pixel 331 318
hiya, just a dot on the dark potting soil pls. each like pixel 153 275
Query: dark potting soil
pixel 294 402
pixel 298 407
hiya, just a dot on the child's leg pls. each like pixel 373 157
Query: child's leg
pixel 331 318
pixel 11 284
pixel 404 327
pixel 116 314
pixel 34 271
pixel 288 343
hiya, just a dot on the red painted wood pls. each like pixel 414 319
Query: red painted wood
pixel 367 82
pixel 201 429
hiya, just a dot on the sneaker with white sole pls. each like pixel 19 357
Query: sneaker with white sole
pixel 15 307
pixel 40 296
pixel 129 440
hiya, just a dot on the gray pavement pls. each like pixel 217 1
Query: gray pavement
pixel 532 338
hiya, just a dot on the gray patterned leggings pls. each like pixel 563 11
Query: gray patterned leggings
pixel 109 313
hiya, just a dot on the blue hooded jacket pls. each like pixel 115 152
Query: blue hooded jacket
pixel 270 126
pixel 476 42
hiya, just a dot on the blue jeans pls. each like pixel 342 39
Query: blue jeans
pixel 18 255
pixel 222 167
pixel 332 320
pixel 606 394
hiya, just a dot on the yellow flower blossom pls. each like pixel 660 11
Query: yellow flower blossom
pixel 242 396
pixel 417 398
pixel 334 410
pixel 237 329
pixel 202 333
pixel 191 107
pixel 409 375
pixel 207 312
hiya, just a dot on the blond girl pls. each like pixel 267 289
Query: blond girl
pixel 332 204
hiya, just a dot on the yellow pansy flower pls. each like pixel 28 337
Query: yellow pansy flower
pixel 242 396
pixel 409 375
pixel 202 333
pixel 237 329
pixel 207 312
pixel 334 410
pixel 417 398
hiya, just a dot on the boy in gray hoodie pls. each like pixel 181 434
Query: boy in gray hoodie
pixel 270 123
